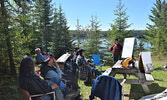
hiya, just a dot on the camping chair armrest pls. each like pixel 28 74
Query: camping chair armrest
pixel 53 92
pixel 124 80
pixel 103 60
pixel 65 81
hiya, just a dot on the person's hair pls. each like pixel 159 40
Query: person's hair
pixel 116 39
pixel 26 67
pixel 80 53
pixel 76 49
pixel 45 63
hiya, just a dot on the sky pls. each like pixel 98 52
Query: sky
pixel 137 10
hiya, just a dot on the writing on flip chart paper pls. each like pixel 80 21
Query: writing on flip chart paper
pixel 128 47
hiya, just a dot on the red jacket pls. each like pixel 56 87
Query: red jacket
pixel 116 49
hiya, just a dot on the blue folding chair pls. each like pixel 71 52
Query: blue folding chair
pixel 96 60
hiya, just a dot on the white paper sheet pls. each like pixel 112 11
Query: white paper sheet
pixel 128 47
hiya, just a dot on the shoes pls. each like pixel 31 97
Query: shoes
pixel 164 67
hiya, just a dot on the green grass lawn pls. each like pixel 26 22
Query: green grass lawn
pixel 136 91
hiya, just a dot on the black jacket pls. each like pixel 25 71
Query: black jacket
pixel 34 85
pixel 44 69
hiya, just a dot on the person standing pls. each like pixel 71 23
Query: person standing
pixel 116 48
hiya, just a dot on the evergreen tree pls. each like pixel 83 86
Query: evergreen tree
pixel 5 23
pixel 62 37
pixel 93 44
pixel 37 26
pixel 14 33
pixel 78 33
pixel 157 32
pixel 46 25
pixel 120 26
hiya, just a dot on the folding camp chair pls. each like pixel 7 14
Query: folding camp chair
pixel 27 95
pixel 96 60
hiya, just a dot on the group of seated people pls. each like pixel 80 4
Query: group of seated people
pixel 30 81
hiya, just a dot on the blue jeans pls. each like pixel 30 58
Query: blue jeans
pixel 97 73
pixel 52 73
pixel 60 83
pixel 58 94
pixel 46 97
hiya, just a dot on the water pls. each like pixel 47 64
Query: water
pixel 105 43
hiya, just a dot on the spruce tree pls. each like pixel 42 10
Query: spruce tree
pixel 120 26
pixel 62 37
pixel 37 26
pixel 46 25
pixel 93 44
pixel 157 32
pixel 14 33
pixel 78 33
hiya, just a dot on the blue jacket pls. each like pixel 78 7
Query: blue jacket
pixel 106 88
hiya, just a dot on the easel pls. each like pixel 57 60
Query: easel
pixel 144 79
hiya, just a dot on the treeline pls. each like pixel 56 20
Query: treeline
pixel 28 24
pixel 136 33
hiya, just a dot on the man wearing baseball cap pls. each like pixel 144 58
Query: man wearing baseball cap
pixel 50 71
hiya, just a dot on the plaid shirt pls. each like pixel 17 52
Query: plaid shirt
pixel 82 64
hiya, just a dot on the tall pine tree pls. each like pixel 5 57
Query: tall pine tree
pixel 46 25
pixel 78 33
pixel 93 44
pixel 62 37
pixel 120 26
pixel 157 32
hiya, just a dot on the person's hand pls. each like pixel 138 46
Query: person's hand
pixel 54 60
pixel 56 64
pixel 91 64
pixel 54 86
pixel 108 48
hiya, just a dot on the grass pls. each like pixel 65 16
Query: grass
pixel 132 91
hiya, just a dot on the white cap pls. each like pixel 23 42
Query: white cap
pixel 25 56
pixel 37 49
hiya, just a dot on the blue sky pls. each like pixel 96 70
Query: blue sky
pixel 137 10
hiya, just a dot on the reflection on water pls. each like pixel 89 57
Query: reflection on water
pixel 106 43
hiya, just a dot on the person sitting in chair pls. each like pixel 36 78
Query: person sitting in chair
pixel 32 83
pixel 39 56
pixel 85 66
pixel 50 68
pixel 93 69
pixel 75 67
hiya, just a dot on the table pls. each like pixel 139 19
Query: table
pixel 143 79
